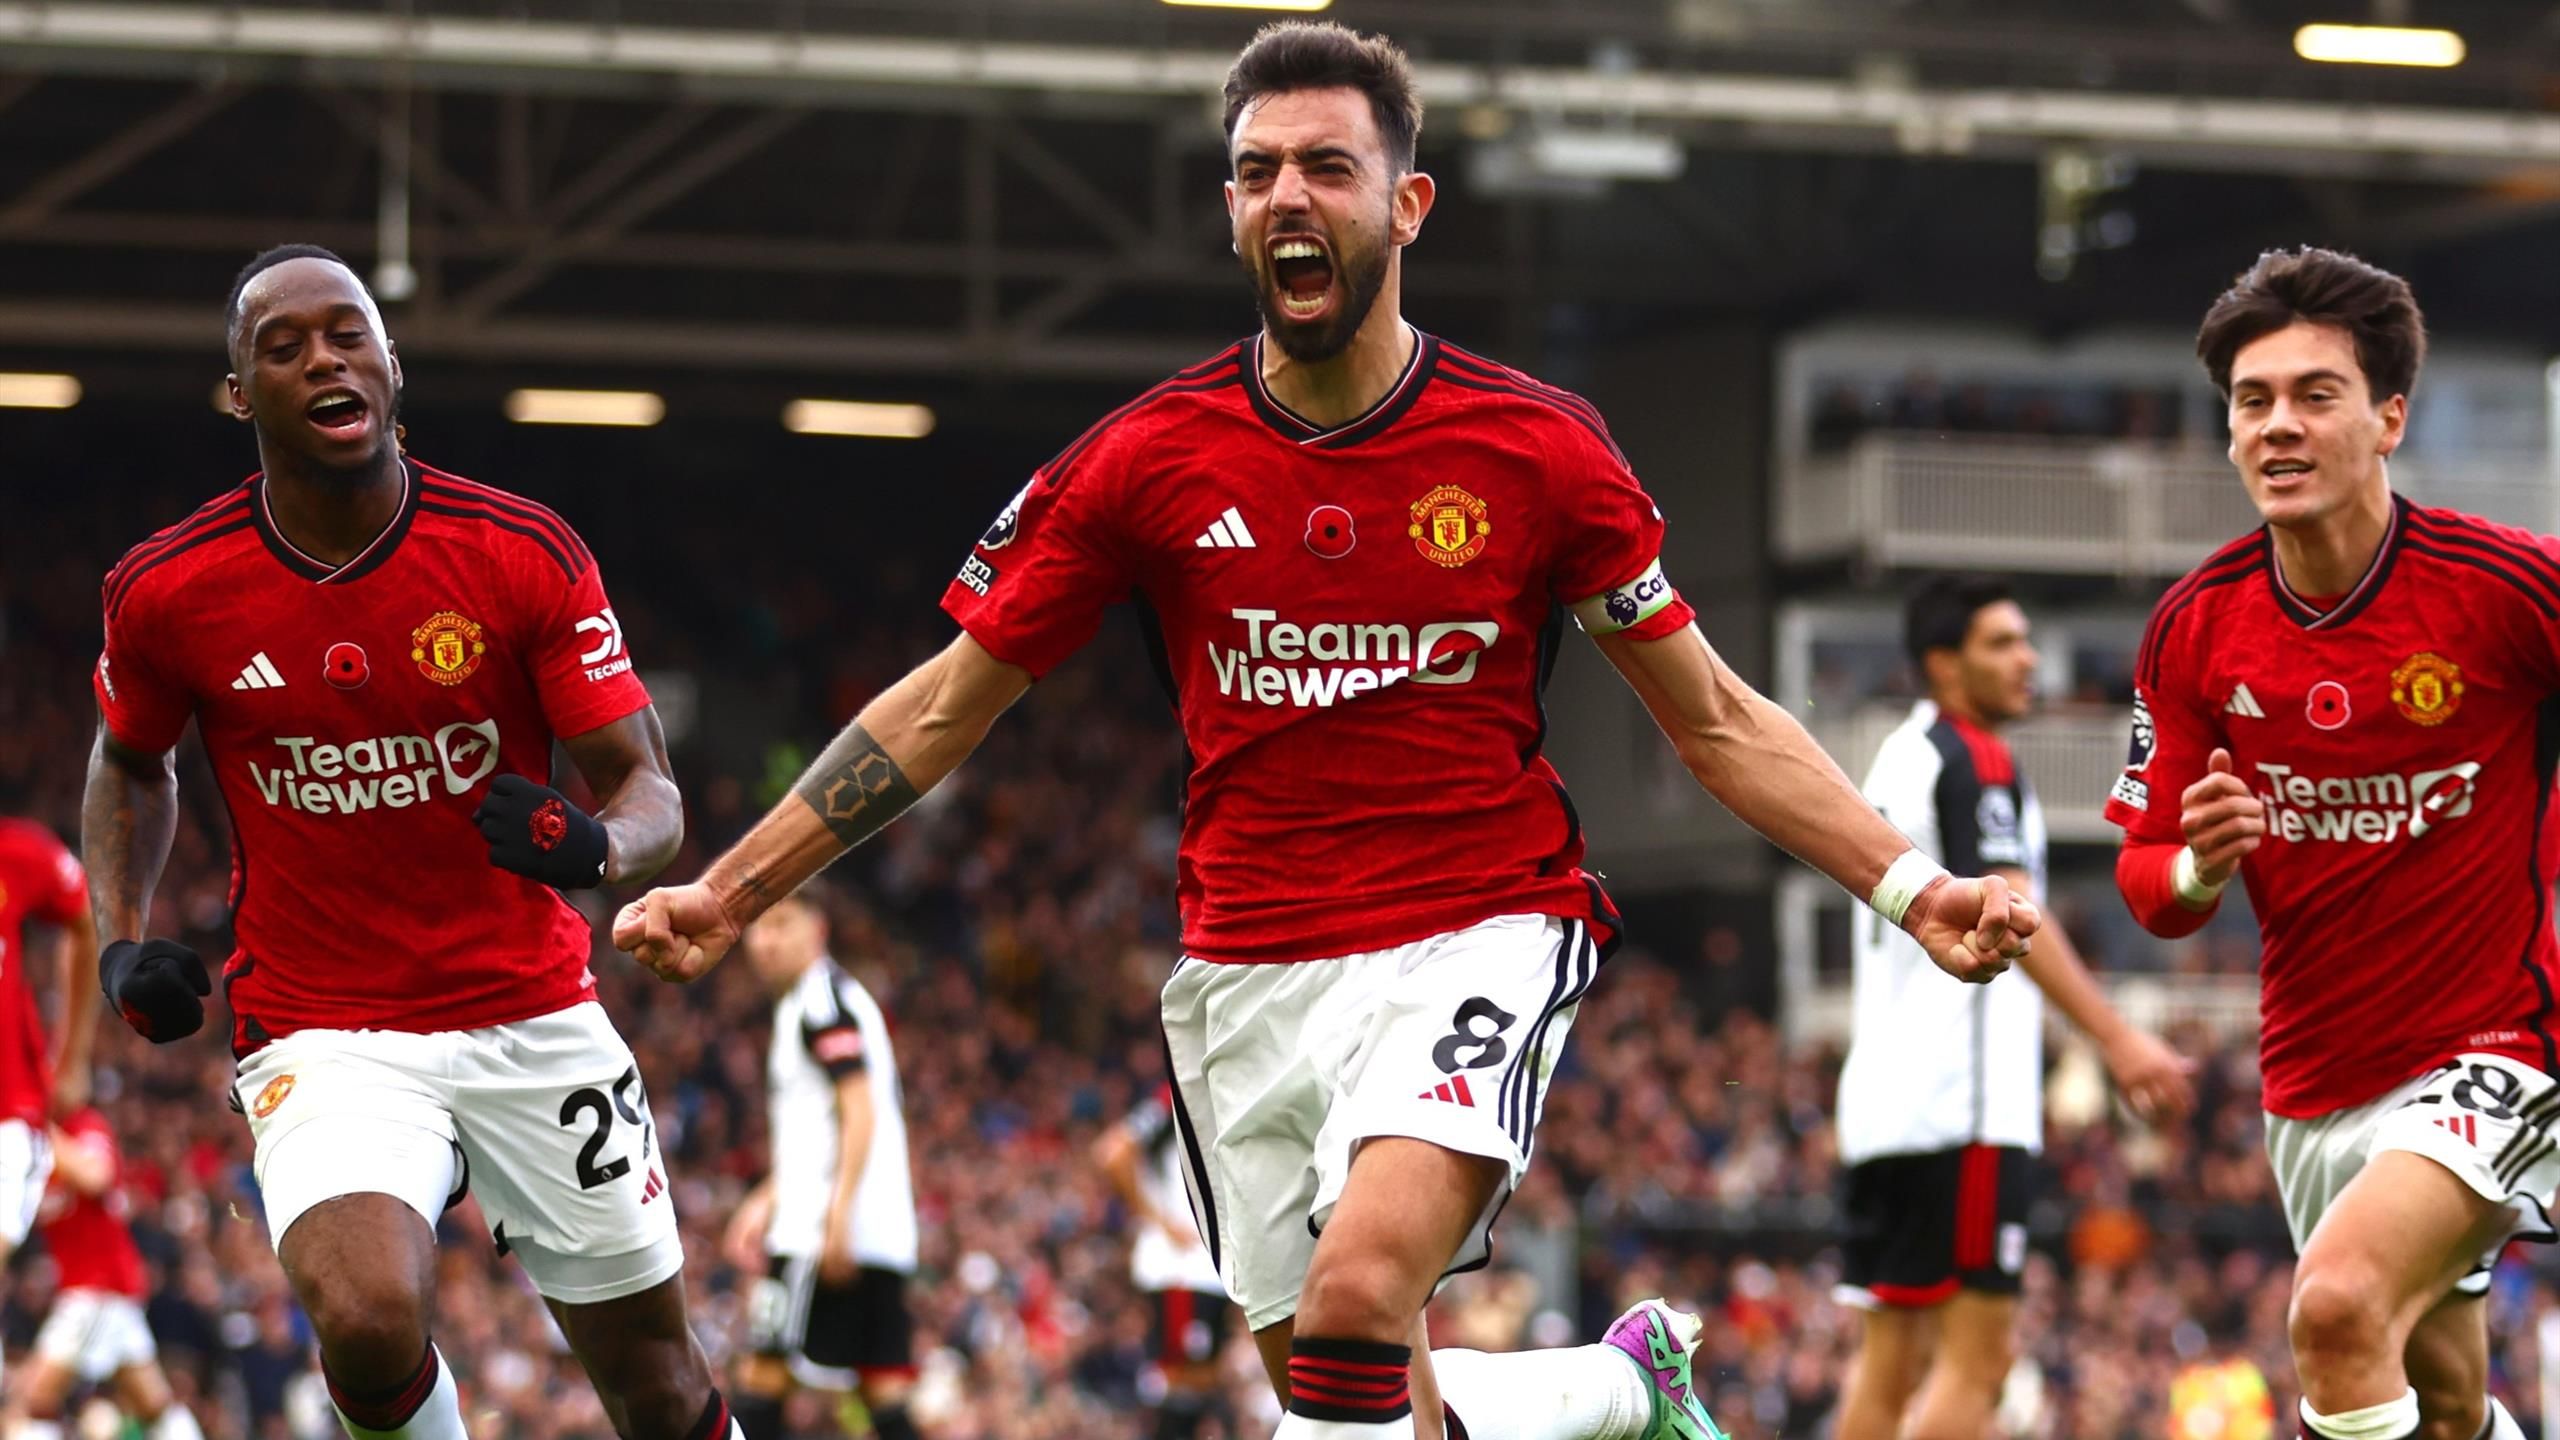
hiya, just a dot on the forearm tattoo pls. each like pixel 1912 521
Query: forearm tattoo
pixel 855 787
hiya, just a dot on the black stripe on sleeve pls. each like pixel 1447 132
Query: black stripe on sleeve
pixel 1957 797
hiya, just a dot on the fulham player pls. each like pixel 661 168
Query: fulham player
pixel 2350 710
pixel 379 655
pixel 1942 1096
pixel 1357 543
pixel 833 1228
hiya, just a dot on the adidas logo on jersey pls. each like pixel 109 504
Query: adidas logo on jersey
pixel 2244 704
pixel 1227 532
pixel 1454 1090
pixel 259 674
pixel 2465 1126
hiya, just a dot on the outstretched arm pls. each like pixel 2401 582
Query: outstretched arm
pixel 903 744
pixel 1760 764
pixel 625 764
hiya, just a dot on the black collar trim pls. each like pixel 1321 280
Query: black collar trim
pixel 2376 575
pixel 366 561
pixel 1297 429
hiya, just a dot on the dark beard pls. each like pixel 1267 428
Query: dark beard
pixel 1360 286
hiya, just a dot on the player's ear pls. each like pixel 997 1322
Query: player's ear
pixel 239 398
pixel 391 348
pixel 1414 194
pixel 2395 423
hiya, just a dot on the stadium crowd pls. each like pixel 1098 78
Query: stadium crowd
pixel 1016 929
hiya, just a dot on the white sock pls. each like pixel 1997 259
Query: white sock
pixel 2501 1425
pixel 2390 1420
pixel 40 1430
pixel 437 1417
pixel 176 1423
pixel 1587 1392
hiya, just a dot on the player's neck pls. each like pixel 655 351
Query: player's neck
pixel 1958 708
pixel 2329 554
pixel 332 518
pixel 1326 393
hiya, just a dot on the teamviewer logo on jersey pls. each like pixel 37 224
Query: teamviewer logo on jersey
pixel 1314 666
pixel 380 772
pixel 2364 809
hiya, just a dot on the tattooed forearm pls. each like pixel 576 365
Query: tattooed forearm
pixel 128 817
pixel 855 787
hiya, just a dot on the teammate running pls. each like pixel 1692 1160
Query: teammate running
pixel 40 884
pixel 95 1333
pixel 833 1228
pixel 1942 1097
pixel 378 655
pixel 1357 543
pixel 1190 1317
pixel 2351 709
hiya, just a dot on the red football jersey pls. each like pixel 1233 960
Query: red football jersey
pixel 2403 742
pixel 39 880
pixel 1355 623
pixel 354 716
pixel 87 1235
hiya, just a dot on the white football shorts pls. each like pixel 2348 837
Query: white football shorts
pixel 1280 1071
pixel 26 1162
pixel 95 1333
pixel 2488 1119
pixel 545 1120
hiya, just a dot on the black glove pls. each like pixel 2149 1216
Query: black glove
pixel 533 830
pixel 157 985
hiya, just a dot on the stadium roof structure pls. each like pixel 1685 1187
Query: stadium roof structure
pixel 1026 188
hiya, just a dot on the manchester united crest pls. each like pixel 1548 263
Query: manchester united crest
pixel 2427 687
pixel 272 1096
pixel 448 647
pixel 1449 526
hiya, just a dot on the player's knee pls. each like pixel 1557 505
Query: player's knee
pixel 372 1325
pixel 2338 1319
pixel 660 1388
pixel 1360 1297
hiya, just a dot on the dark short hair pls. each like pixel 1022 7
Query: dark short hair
pixel 1322 55
pixel 1940 613
pixel 2320 287
pixel 267 260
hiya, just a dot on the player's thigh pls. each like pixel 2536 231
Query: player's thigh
pixel 336 1113
pixel 2485 1121
pixel 1250 1092
pixel 2453 1166
pixel 554 1120
pixel 1895 1344
pixel 1977 1338
pixel 26 1161
pixel 142 1390
pixel 1455 1052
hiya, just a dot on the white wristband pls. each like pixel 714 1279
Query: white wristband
pixel 2189 885
pixel 1909 874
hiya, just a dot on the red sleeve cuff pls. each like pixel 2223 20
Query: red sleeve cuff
pixel 1671 619
pixel 2143 874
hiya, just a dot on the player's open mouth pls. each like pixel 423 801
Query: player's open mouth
pixel 1302 274
pixel 340 414
pixel 2279 471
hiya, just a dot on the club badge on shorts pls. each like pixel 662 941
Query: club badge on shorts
pixel 448 647
pixel 1449 526
pixel 272 1096
pixel 2427 687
